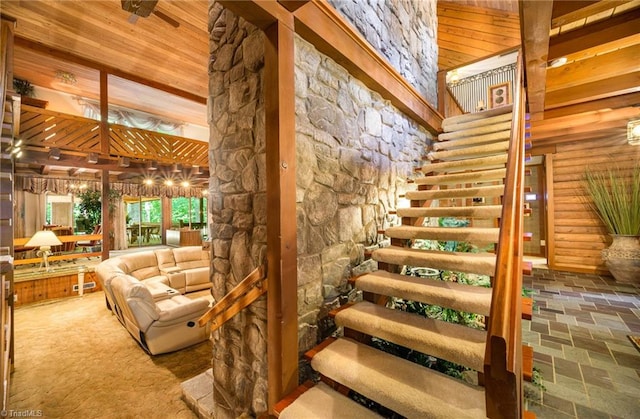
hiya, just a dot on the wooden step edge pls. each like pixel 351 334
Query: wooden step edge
pixel 527 268
pixel 335 311
pixel 527 237
pixel 287 400
pixel 314 351
pixel 527 308
pixel 527 363
pixel 528 415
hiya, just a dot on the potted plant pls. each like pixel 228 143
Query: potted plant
pixel 26 90
pixel 615 196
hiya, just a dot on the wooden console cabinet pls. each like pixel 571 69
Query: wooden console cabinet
pixel 179 238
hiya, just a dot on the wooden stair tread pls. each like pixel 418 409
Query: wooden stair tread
pixel 464 234
pixel 475 151
pixel 321 402
pixel 472 192
pixel 479 263
pixel 417 391
pixel 527 268
pixel 527 308
pixel 462 177
pixel 453 342
pixel 487 211
pixel 467 164
pixel 464 121
pixel 443 293
pixel 471 136
pixel 527 362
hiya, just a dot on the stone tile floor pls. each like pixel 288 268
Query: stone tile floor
pixel 579 332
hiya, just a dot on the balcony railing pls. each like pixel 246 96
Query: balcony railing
pixel 51 129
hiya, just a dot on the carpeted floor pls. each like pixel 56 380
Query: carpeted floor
pixel 73 359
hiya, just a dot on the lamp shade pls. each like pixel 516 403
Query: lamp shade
pixel 43 238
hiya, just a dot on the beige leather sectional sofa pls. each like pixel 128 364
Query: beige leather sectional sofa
pixel 145 291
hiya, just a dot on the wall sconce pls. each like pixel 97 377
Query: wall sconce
pixel 168 182
pixel 175 168
pixel 124 162
pixel 633 132
pixel 92 158
pixel 148 181
pixel 185 184
pixel 152 165
pixel 196 170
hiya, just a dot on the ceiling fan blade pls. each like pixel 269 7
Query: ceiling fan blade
pixel 171 21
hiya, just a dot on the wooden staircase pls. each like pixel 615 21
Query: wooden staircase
pixel 465 179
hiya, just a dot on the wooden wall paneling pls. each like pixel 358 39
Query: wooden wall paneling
pixel 467 33
pixel 550 210
pixel 578 234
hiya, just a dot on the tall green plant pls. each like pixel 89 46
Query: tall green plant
pixel 615 196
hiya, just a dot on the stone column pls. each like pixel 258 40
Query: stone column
pixel 237 207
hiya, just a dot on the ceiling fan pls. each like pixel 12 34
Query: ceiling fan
pixel 144 8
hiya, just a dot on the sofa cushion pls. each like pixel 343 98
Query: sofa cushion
pixel 135 300
pixel 190 257
pixel 165 259
pixel 141 265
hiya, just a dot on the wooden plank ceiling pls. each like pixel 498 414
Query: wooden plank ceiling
pixel 597 91
pixel 83 37
pixel 474 29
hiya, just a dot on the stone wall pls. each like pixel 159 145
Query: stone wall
pixel 403 31
pixel 237 207
pixel 354 152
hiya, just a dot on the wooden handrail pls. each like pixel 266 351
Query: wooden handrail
pixel 503 356
pixel 242 295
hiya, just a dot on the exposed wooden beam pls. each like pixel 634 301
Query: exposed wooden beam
pixel 261 13
pixel 584 122
pixel 319 23
pixel 66 56
pixel 292 5
pixel 628 83
pixel 615 102
pixel 595 35
pixel 282 274
pixel 535 23
pixel 581 10
pixel 564 7
pixel 600 67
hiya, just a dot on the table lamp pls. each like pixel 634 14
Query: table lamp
pixel 44 240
